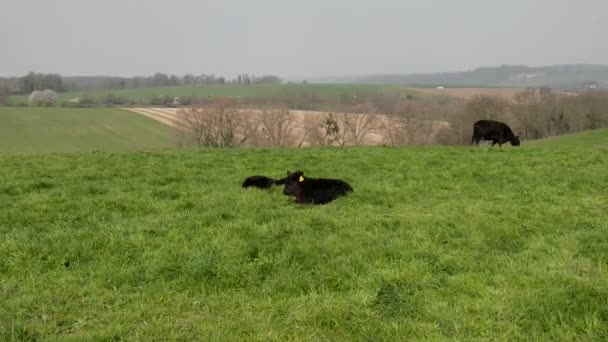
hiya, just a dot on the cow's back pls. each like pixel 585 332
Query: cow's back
pixel 484 127
pixel 486 124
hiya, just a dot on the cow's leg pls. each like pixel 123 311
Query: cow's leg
pixel 493 143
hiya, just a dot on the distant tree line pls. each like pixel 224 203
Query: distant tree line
pixel 31 82
pixel 26 84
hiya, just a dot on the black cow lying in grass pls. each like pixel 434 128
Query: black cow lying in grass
pixel 314 190
pixel 262 182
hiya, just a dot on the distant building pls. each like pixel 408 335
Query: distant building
pixel 527 76
pixel 590 85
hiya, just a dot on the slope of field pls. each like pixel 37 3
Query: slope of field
pixel 435 243
pixel 41 130
pixel 595 138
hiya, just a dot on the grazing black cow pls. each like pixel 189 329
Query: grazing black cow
pixel 314 190
pixel 262 182
pixel 495 131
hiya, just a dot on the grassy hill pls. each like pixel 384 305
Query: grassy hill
pixel 435 243
pixel 41 130
pixel 594 138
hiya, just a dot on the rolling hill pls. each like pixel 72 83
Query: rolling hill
pixel 43 130
pixel 435 243
pixel 564 77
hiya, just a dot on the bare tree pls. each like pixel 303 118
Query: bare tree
pixel 446 135
pixel 554 116
pixel 250 129
pixel 360 121
pixel 277 126
pixel 453 110
pixel 593 109
pixel 406 120
pixel 488 107
pixel 425 112
pixel 214 126
pixel 311 124
pixel 526 113
pixel 394 131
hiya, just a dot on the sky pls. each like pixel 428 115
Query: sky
pixel 295 39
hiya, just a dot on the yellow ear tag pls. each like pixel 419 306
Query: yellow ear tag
pixel 301 179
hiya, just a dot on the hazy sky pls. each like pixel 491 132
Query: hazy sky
pixel 295 38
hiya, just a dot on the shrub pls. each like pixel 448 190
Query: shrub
pixel 112 99
pixel 45 98
pixel 161 100
pixel 447 136
pixel 85 101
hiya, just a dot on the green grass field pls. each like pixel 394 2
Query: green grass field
pixel 436 243
pixel 594 138
pixel 143 95
pixel 41 130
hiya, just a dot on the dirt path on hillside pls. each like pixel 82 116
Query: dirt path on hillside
pixel 158 114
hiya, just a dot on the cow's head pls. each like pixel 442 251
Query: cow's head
pixel 292 182
pixel 515 141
